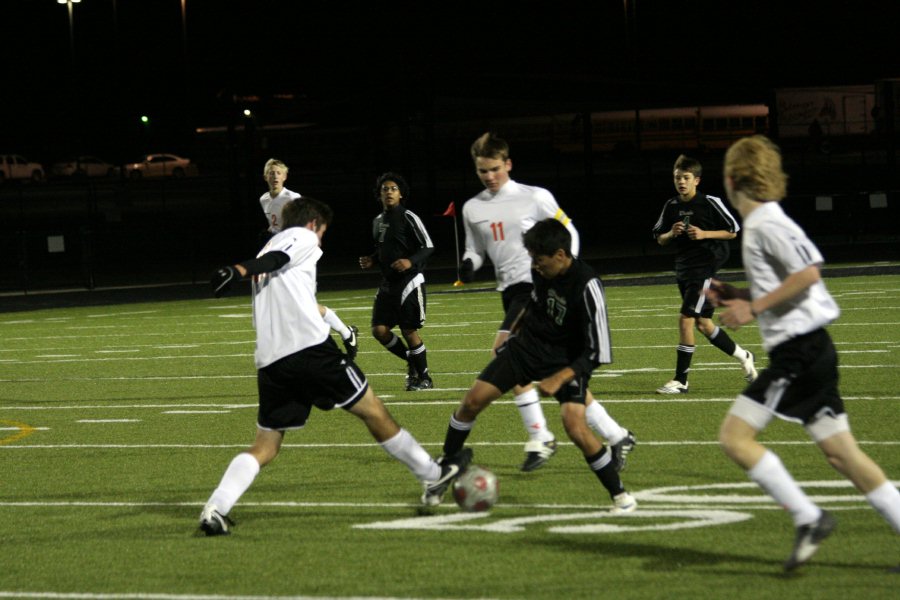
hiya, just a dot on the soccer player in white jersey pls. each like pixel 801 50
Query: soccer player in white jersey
pixel 792 306
pixel 494 222
pixel 275 173
pixel 300 367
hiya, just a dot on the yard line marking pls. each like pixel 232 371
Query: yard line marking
pixel 19 428
pixel 196 412
pixel 163 596
pixel 122 314
pixel 108 421
pixel 22 429
pixel 660 399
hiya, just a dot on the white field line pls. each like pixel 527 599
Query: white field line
pixel 487 335
pixel 162 596
pixel 659 399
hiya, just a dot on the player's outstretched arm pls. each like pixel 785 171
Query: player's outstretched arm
pixel 223 278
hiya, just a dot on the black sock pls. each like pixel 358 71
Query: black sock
pixel 457 433
pixel 683 362
pixel 722 341
pixel 606 473
pixel 418 359
pixel 396 346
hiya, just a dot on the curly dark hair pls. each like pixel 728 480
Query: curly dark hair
pixel 396 178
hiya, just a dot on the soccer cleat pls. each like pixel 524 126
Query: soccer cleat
pixel 537 454
pixel 212 522
pixel 412 378
pixel 749 368
pixel 451 468
pixel 673 387
pixel 623 503
pixel 423 383
pixel 621 449
pixel 352 343
pixel 808 539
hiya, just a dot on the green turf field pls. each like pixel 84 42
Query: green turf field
pixel 117 422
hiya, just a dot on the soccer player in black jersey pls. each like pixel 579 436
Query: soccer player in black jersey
pixel 559 338
pixel 402 246
pixel 699 226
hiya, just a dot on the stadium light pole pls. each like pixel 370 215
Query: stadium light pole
pixel 70 4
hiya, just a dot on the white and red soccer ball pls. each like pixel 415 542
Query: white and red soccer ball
pixel 476 490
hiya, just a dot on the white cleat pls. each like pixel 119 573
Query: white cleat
pixel 673 387
pixel 749 368
pixel 623 503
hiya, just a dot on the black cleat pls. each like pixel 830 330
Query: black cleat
pixel 451 468
pixel 808 539
pixel 621 449
pixel 351 344
pixel 537 454
pixel 214 523
pixel 421 383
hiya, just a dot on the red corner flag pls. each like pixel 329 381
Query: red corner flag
pixel 451 210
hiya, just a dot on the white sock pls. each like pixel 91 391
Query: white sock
pixel 769 473
pixel 407 450
pixel 237 478
pixel 739 353
pixel 335 323
pixel 600 421
pixel 886 500
pixel 529 405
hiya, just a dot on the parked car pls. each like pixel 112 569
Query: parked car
pixel 159 165
pixel 83 166
pixel 14 166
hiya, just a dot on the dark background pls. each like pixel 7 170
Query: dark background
pixel 395 85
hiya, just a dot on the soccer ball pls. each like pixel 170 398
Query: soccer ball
pixel 476 490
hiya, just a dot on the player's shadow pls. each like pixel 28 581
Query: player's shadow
pixel 667 558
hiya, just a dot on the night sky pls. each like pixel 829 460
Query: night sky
pixel 347 62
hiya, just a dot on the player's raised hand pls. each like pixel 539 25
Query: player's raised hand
pixel 222 279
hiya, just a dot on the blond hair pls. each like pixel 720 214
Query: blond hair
pixel 490 146
pixel 754 166
pixel 271 164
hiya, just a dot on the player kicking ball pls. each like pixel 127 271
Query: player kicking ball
pixel 299 366
pixel 560 337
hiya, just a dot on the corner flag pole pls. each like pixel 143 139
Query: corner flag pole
pixel 451 212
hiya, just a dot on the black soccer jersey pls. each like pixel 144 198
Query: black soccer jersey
pixel 566 321
pixel 697 259
pixel 399 233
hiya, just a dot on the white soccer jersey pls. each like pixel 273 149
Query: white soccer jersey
pixel 774 246
pixel 494 224
pixel 272 207
pixel 285 312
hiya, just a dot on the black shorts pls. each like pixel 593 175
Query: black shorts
pixel 517 365
pixel 515 299
pixel 320 376
pixel 693 302
pixel 801 380
pixel 402 304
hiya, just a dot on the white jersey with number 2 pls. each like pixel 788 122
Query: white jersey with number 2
pixel 494 225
